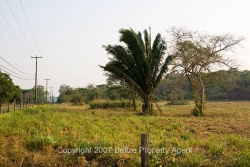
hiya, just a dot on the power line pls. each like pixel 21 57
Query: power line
pixel 33 35
pixel 30 28
pixel 11 71
pixel 45 68
pixel 15 33
pixel 40 70
pixel 15 67
pixel 19 26
pixel 15 75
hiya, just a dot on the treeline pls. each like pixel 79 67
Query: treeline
pixel 28 95
pixel 92 92
pixel 9 92
pixel 220 85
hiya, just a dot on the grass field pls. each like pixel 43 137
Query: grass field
pixel 65 135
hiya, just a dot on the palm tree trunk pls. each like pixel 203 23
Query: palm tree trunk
pixel 147 103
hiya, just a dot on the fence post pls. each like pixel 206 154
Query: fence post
pixel 14 105
pixel 144 150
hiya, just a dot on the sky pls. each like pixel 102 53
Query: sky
pixel 69 34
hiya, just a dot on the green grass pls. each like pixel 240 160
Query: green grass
pixel 64 135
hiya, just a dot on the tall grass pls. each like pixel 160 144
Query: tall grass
pixel 52 135
pixel 102 104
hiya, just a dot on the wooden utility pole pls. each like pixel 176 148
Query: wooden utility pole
pixel 46 89
pixel 36 79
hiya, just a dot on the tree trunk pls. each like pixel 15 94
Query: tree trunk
pixel 147 103
pixel 199 93
pixel 202 96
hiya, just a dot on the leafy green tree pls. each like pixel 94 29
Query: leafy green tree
pixel 90 93
pixel 139 64
pixel 65 93
pixel 40 94
pixel 76 99
pixel 18 94
pixel 7 88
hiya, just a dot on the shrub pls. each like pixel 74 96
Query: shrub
pixel 76 99
pixel 195 112
pixel 113 104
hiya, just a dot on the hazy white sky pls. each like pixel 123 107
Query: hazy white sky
pixel 70 33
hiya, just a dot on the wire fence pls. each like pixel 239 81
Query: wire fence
pixel 13 106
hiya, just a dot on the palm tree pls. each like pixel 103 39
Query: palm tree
pixel 138 64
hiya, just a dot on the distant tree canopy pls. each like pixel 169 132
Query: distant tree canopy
pixel 91 92
pixel 28 95
pixel 140 64
pixel 220 85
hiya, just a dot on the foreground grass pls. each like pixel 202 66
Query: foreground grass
pixel 63 135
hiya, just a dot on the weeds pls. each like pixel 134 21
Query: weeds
pixel 44 135
pixel 113 104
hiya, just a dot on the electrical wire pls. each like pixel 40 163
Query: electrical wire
pixel 19 26
pixel 14 75
pixel 15 67
pixel 15 33
pixel 12 71
pixel 41 71
pixel 30 27
pixel 33 36
pixel 20 42
pixel 45 69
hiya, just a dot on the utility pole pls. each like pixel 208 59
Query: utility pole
pixel 46 89
pixel 36 79
pixel 51 94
